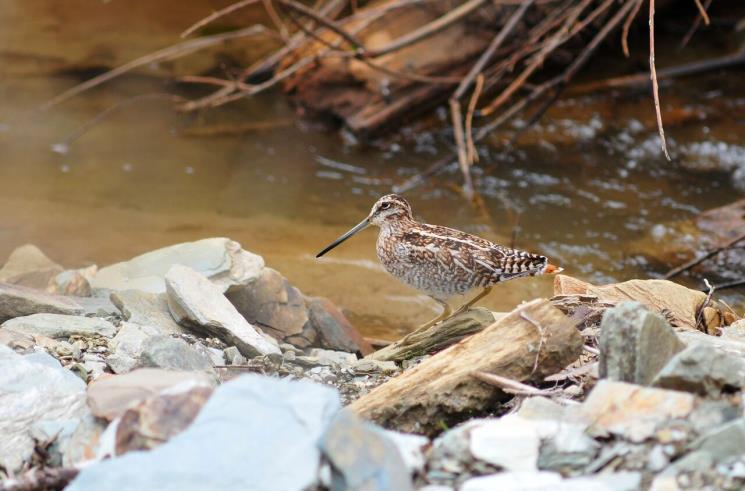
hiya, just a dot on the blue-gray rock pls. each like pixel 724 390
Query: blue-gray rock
pixel 255 433
pixel 146 309
pixel 219 259
pixel 34 390
pixel 363 457
pixel 635 344
pixel 17 301
pixel 703 369
pixel 173 354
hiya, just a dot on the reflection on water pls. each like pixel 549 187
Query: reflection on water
pixel 582 188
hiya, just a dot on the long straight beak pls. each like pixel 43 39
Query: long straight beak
pixel 360 226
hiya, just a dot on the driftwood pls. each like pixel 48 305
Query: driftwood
pixel 437 337
pixel 531 342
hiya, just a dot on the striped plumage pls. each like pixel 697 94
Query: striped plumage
pixel 441 261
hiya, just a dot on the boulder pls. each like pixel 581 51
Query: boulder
pixel 58 326
pixel 254 432
pixel 146 309
pixel 17 301
pixel 221 260
pixel 197 303
pixel 110 396
pixel 28 266
pixel 635 344
pixel 704 370
pixel 34 388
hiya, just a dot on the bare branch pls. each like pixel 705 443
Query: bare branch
pixel 653 76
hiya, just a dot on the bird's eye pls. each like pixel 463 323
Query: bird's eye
pixel 385 206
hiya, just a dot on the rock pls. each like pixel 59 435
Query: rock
pixel 173 354
pixel 333 329
pixel 127 346
pixel 375 366
pixel 510 443
pixel 704 370
pixel 411 448
pixel 18 301
pixel 33 388
pixel 635 344
pixel 82 445
pixel 17 341
pixel 146 309
pixel 254 417
pixel 97 306
pixel 514 481
pixel 73 282
pixel 28 266
pixel 631 411
pixel 723 442
pixel 196 302
pixel 219 259
pixel 110 396
pixel 272 303
pixel 234 356
pixel 568 285
pixel 58 326
pixel 735 331
pixel 217 356
pixel 338 357
pixel 363 457
pixel 727 345
pixel 160 417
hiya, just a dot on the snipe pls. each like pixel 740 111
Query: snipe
pixel 441 261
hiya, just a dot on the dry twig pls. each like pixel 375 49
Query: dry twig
pixel 653 76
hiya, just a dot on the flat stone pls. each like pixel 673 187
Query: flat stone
pixel 197 303
pixel 18 301
pixel 375 366
pixel 271 428
pixel 704 370
pixel 631 411
pixel 34 388
pixel 110 396
pixel 219 259
pixel 362 457
pixel 514 481
pixel 159 418
pixel 173 354
pixel 29 266
pixel 272 303
pixel 510 443
pixel 339 357
pixel 635 344
pixel 147 309
pixel 333 329
pixel 58 326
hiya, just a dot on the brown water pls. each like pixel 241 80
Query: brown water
pixel 588 184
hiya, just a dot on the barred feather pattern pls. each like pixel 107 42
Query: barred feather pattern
pixel 443 262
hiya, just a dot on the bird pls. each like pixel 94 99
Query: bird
pixel 439 261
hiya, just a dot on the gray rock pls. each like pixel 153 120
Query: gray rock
pixel 729 345
pixel 147 309
pixel 97 306
pixel 217 356
pixel 514 481
pixel 726 441
pixel 271 428
pixel 173 354
pixel 367 365
pixel 710 414
pixel 219 259
pixel 411 448
pixel 195 302
pixel 635 344
pixel 28 266
pixel 234 356
pixel 704 370
pixel 339 357
pixel 58 326
pixel 17 301
pixel 127 345
pixel 363 457
pixel 109 397
pixel 34 389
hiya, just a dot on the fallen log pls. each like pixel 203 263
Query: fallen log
pixel 531 342
pixel 435 338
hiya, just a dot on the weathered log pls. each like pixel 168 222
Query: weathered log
pixel 531 342
pixel 436 338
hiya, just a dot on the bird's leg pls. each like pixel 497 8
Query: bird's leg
pixel 446 312
pixel 475 299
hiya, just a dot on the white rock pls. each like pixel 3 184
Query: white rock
pixel 339 357
pixel 411 448
pixel 514 481
pixel 57 326
pixel 33 389
pixel 510 442
pixel 196 302
pixel 219 259
pixel 126 346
